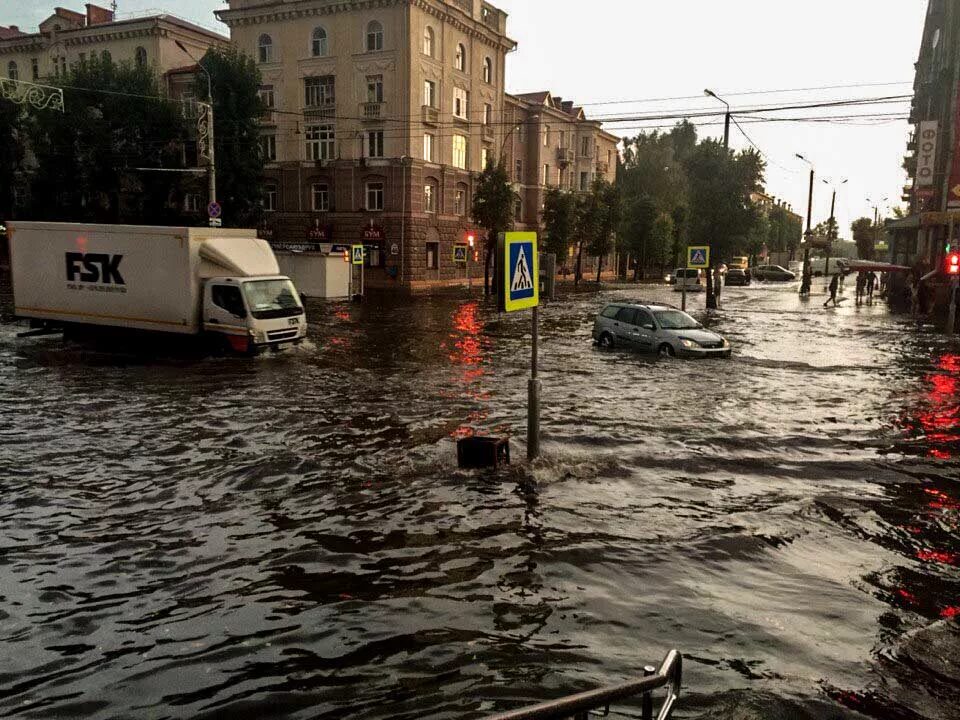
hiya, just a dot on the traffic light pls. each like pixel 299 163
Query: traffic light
pixel 346 256
pixel 471 239
pixel 953 264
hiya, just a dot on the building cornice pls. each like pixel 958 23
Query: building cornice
pixel 275 11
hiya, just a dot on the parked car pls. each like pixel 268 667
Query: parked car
pixel 737 276
pixel 692 280
pixel 740 263
pixel 656 328
pixel 773 273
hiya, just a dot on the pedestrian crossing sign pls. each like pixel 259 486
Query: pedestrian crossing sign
pixel 698 257
pixel 357 254
pixel 460 254
pixel 522 271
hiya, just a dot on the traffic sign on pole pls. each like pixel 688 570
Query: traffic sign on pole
pixel 460 254
pixel 521 271
pixel 698 257
pixel 357 254
pixel 214 210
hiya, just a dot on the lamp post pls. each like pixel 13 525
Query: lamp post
pixel 876 219
pixel 832 224
pixel 726 120
pixel 805 283
pixel 211 158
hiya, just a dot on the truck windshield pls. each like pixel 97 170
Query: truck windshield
pixel 676 320
pixel 272 299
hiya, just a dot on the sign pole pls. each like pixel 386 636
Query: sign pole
pixel 683 295
pixel 952 313
pixel 362 289
pixel 533 393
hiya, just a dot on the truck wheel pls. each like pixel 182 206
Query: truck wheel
pixel 606 341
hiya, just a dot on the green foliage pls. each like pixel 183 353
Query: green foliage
pixel 785 231
pixel 493 201
pixel 661 240
pixel 559 220
pixel 864 234
pixel 237 111
pixel 636 230
pixel 87 159
pixel 11 154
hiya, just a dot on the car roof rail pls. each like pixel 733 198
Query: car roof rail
pixel 648 303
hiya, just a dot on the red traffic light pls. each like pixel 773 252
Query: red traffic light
pixel 953 264
pixel 470 239
pixel 346 256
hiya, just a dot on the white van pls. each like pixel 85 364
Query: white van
pixel 688 278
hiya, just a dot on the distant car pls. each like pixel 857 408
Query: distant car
pixel 737 276
pixel 740 263
pixel 656 328
pixel 692 280
pixel 670 278
pixel 772 273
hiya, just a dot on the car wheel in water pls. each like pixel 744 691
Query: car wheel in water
pixel 606 341
pixel 666 350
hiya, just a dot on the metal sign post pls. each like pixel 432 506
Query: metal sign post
pixel 356 254
pixel 521 291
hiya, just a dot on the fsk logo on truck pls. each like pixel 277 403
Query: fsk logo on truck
pixel 97 268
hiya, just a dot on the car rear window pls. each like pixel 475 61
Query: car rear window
pixel 610 311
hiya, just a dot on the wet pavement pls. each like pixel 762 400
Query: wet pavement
pixel 290 537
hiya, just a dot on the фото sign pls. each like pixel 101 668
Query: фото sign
pixel 926 151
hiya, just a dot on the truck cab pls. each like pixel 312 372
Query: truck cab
pixel 248 314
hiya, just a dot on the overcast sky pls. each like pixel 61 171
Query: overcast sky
pixel 636 50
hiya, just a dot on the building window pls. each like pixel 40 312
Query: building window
pixel 430 198
pixel 429 93
pixel 375 196
pixel 63 65
pixel 485 157
pixel 546 135
pixel 460 152
pixel 318 42
pixel 461 201
pixel 191 203
pixel 487 70
pixel 374 36
pixel 460 62
pixel 320 91
pixel 609 157
pixel 487 114
pixel 518 210
pixel 268 147
pixel 106 57
pixel 433 256
pixel 584 181
pixel 12 71
pixel 265 48
pixel 320 142
pixel 320 197
pixel 83 58
pixel 140 57
pixel 375 143
pixel 585 147
pixel 266 96
pixel 519 171
pixel 428 41
pixel 546 174
pixel 374 88
pixel 270 198
pixel 35 68
pixel 428 147
pixel 460 103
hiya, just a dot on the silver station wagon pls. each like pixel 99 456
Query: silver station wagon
pixel 656 328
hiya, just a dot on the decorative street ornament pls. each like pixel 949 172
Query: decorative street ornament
pixel 41 97
pixel 203 131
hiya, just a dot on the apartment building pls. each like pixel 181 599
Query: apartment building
pixel 550 142
pixel 68 37
pixel 380 115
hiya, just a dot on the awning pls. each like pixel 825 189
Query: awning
pixel 908 223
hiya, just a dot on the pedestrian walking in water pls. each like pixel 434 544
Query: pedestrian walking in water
pixel 861 286
pixel 717 284
pixel 834 285
pixel 871 284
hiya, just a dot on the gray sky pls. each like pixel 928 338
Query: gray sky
pixel 631 50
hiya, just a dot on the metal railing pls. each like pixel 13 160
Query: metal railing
pixel 583 705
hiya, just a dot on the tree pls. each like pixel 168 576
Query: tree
pixel 89 162
pixel 636 230
pixel 493 204
pixel 661 241
pixel 11 154
pixel 679 217
pixel 608 219
pixel 559 220
pixel 863 235
pixel 237 111
pixel 719 186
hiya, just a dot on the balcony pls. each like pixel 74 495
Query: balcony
pixel 603 167
pixel 564 156
pixel 431 115
pixel 488 132
pixel 373 111
pixel 327 111
pixel 268 117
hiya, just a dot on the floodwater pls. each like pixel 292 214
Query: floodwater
pixel 290 536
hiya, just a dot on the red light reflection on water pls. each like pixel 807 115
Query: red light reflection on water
pixel 940 556
pixel 951 611
pixel 465 350
pixel 939 420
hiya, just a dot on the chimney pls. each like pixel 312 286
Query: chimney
pixel 97 15
pixel 14 28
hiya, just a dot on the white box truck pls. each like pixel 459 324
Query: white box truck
pixel 220 285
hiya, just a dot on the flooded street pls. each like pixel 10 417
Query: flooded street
pixel 290 536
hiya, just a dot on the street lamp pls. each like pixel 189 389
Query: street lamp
pixel 876 219
pixel 211 166
pixel 833 234
pixel 805 284
pixel 726 121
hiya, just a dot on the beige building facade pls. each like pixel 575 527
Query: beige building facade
pixel 380 115
pixel 68 37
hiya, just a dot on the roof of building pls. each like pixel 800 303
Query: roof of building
pixel 10 32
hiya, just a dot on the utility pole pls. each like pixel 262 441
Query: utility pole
pixel 805 284
pixel 711 297
pixel 205 125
